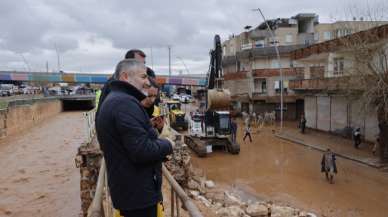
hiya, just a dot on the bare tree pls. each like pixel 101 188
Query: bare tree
pixel 367 75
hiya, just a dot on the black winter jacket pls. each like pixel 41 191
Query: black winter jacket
pixel 132 150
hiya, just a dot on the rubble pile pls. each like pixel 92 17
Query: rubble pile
pixel 223 202
pixel 179 164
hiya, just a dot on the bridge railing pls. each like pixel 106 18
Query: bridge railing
pixel 101 205
pixel 90 124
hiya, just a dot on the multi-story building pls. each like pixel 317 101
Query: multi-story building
pixel 252 70
pixel 332 69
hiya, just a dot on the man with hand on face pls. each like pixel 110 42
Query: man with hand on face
pixel 150 105
pixel 132 150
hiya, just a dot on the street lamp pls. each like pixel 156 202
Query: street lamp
pixel 279 64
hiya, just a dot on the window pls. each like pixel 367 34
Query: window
pixel 224 122
pixel 308 41
pixel 260 85
pixel 274 41
pixel 316 36
pixel 246 46
pixel 259 43
pixel 338 66
pixel 326 35
pixel 275 64
pixel 278 85
pixel 343 32
pixel 289 38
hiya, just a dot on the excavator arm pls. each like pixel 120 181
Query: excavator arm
pixel 215 67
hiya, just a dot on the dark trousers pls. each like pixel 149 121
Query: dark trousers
pixel 146 212
pixel 245 136
pixel 357 141
pixel 233 137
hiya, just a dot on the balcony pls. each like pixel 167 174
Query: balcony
pixel 268 72
pixel 319 84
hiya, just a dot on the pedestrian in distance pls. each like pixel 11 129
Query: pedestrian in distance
pixel 132 150
pixel 233 128
pixel 328 165
pixel 357 137
pixel 248 133
pixel 376 145
pixel 302 124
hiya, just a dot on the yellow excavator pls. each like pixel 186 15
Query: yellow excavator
pixel 176 115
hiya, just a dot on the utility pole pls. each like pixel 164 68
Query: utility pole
pixel 279 65
pixel 152 59
pixel 169 60
pixel 47 68
pixel 58 61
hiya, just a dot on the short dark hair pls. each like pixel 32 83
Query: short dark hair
pixel 131 53
pixel 150 72
pixel 153 82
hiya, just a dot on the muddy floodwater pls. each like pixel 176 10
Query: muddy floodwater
pixel 272 169
pixel 38 176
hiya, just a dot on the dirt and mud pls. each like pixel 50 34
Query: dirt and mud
pixel 38 176
pixel 287 173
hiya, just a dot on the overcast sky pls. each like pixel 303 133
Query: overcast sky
pixel 93 35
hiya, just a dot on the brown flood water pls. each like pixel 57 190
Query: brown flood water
pixel 38 176
pixel 272 169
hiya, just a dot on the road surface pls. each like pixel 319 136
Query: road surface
pixel 38 176
pixel 272 169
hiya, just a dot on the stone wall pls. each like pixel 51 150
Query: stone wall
pixel 24 114
pixel 88 160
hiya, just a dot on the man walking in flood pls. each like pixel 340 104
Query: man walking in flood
pixel 248 133
pixel 328 165
pixel 132 150
pixel 233 128
pixel 302 124
pixel 357 137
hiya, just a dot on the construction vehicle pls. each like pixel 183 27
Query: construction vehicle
pixel 210 128
pixel 176 115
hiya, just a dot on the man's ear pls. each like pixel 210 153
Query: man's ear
pixel 123 77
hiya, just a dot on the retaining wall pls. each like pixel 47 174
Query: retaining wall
pixel 24 114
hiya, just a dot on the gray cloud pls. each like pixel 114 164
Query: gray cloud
pixel 93 35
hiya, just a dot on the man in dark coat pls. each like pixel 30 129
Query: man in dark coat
pixel 302 123
pixel 328 165
pixel 233 129
pixel 132 150
pixel 105 90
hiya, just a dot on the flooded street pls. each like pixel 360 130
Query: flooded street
pixel 272 169
pixel 38 176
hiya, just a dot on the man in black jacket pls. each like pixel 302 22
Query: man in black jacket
pixel 132 150
pixel 105 90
